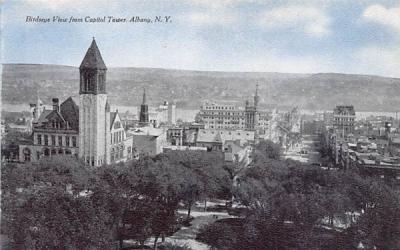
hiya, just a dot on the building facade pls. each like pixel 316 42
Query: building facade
pixel 91 131
pixel 54 132
pixel 228 116
pixel 343 120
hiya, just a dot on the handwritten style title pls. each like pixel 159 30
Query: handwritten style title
pixel 102 19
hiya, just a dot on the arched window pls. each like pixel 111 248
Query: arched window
pixel 121 151
pixel 86 80
pixel 102 82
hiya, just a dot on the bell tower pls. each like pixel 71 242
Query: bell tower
pixel 93 129
pixel 144 111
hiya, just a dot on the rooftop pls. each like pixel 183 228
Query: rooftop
pixel 93 59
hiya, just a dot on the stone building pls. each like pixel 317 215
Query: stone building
pixel 228 116
pixel 92 131
pixel 54 132
pixel 343 120
pixel 214 139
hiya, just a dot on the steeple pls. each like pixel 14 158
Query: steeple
pixel 144 96
pixel 93 59
pixel 144 111
pixel 92 72
pixel 256 98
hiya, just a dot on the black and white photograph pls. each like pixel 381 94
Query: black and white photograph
pixel 200 124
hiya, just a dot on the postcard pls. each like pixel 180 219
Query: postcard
pixel 198 124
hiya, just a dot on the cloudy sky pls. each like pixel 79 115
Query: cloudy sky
pixel 361 37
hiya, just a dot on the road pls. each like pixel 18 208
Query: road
pixel 307 152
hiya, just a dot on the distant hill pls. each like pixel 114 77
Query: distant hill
pixel 190 88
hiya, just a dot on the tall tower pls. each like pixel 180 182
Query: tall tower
pixel 256 98
pixel 144 111
pixel 93 129
pixel 256 113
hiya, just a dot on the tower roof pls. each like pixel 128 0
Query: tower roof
pixel 144 97
pixel 93 59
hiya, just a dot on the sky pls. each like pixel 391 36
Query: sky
pixel 354 36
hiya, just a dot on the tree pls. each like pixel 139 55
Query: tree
pixel 379 225
pixel 267 149
pixel 53 219
pixel 285 198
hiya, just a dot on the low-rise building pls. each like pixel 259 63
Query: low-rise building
pixel 148 141
pixel 214 139
pixel 236 153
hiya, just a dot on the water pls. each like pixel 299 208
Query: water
pixel 186 115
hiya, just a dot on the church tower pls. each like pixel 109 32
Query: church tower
pixel 251 113
pixel 93 108
pixel 144 111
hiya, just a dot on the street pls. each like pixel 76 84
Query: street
pixel 307 152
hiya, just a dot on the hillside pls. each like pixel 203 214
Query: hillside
pixel 190 88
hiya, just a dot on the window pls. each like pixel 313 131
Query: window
pixel 60 140
pixel 39 139
pixel 67 141
pixel 27 154
pixel 53 140
pixel 73 141
pixel 117 125
pixel 102 82
pixel 113 156
pixel 46 140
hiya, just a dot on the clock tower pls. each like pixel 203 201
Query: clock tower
pixel 94 111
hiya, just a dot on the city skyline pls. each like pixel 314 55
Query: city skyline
pixel 360 37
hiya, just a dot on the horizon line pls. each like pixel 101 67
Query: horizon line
pixel 214 71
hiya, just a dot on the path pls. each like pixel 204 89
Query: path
pixel 187 235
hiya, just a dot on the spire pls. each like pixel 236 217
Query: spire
pixel 144 96
pixel 93 59
pixel 256 98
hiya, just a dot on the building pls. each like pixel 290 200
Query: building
pixel 148 141
pixel 90 131
pixel 227 116
pixel 236 153
pixel 175 136
pixel 166 113
pixel 343 120
pixel 214 139
pixel 54 132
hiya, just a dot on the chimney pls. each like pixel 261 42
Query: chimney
pixel 55 105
